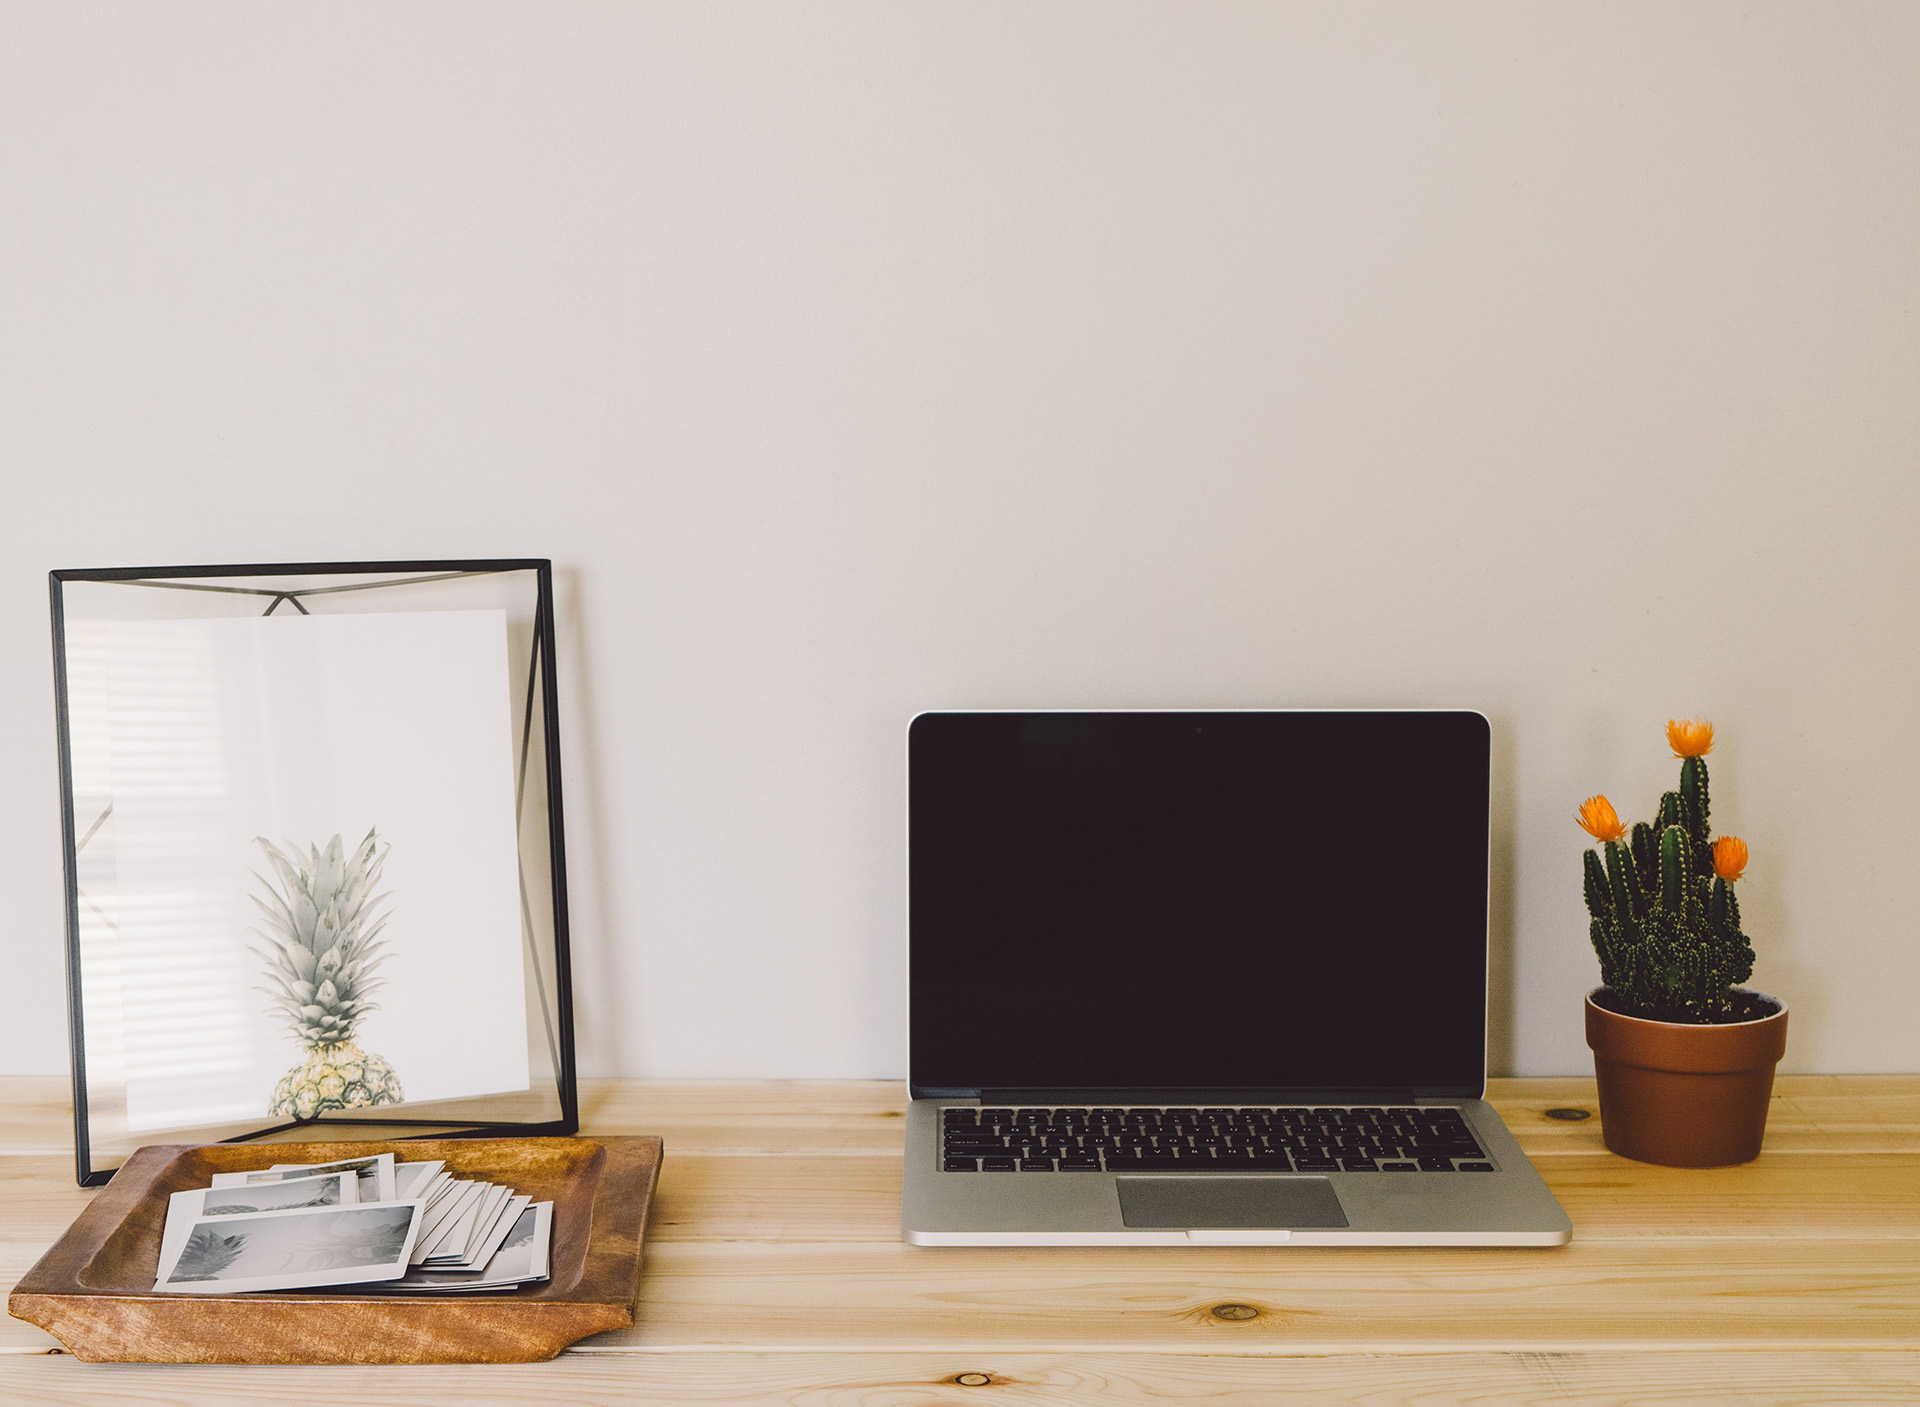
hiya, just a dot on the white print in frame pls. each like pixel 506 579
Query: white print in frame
pixel 306 733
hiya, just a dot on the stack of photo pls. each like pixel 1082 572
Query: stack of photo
pixel 371 1221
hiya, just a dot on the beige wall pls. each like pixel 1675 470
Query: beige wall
pixel 1554 359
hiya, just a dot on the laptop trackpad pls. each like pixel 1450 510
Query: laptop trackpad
pixel 1221 1201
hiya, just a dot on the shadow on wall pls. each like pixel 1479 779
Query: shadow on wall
pixel 1500 900
pixel 596 961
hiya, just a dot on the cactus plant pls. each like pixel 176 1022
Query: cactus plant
pixel 1665 922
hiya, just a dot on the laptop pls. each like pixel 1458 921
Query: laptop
pixel 1204 977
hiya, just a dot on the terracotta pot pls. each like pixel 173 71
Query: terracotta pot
pixel 1681 1095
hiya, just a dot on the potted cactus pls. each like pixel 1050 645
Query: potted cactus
pixel 1684 1056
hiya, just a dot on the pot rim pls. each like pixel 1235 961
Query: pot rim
pixel 1776 1015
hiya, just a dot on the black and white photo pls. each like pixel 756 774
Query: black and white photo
pixel 521 1259
pixel 292 1249
pixel 375 1173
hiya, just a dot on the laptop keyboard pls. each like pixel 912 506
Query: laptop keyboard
pixel 1429 1139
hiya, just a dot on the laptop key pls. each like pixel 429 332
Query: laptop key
pixel 999 1164
pixel 1476 1167
pixel 961 1165
pixel 1036 1165
pixel 1399 1167
pixel 1431 1164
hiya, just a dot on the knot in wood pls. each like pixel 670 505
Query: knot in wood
pixel 1570 1115
pixel 973 1379
pixel 1235 1312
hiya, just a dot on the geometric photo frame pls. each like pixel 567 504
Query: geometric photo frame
pixel 314 853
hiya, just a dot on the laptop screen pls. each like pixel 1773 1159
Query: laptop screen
pixel 1207 901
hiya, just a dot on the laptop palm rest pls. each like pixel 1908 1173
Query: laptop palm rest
pixel 1216 1202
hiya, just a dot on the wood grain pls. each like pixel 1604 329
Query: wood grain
pixel 1753 1378
pixel 840 1200
pixel 1311 1299
pixel 775 1273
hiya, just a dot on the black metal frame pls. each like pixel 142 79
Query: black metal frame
pixel 543 662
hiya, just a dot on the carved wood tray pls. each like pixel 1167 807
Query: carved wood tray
pixel 93 1290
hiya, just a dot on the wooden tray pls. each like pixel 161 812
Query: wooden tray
pixel 93 1290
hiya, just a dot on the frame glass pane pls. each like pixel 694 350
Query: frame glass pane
pixel 315 874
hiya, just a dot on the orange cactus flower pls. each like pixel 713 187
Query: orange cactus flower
pixel 1598 819
pixel 1729 857
pixel 1690 737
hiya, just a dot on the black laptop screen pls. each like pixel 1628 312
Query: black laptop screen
pixel 1233 900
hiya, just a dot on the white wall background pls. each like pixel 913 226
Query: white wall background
pixel 1557 359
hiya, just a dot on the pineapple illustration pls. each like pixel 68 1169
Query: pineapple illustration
pixel 323 929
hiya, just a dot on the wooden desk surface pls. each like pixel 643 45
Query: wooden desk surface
pixel 775 1273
